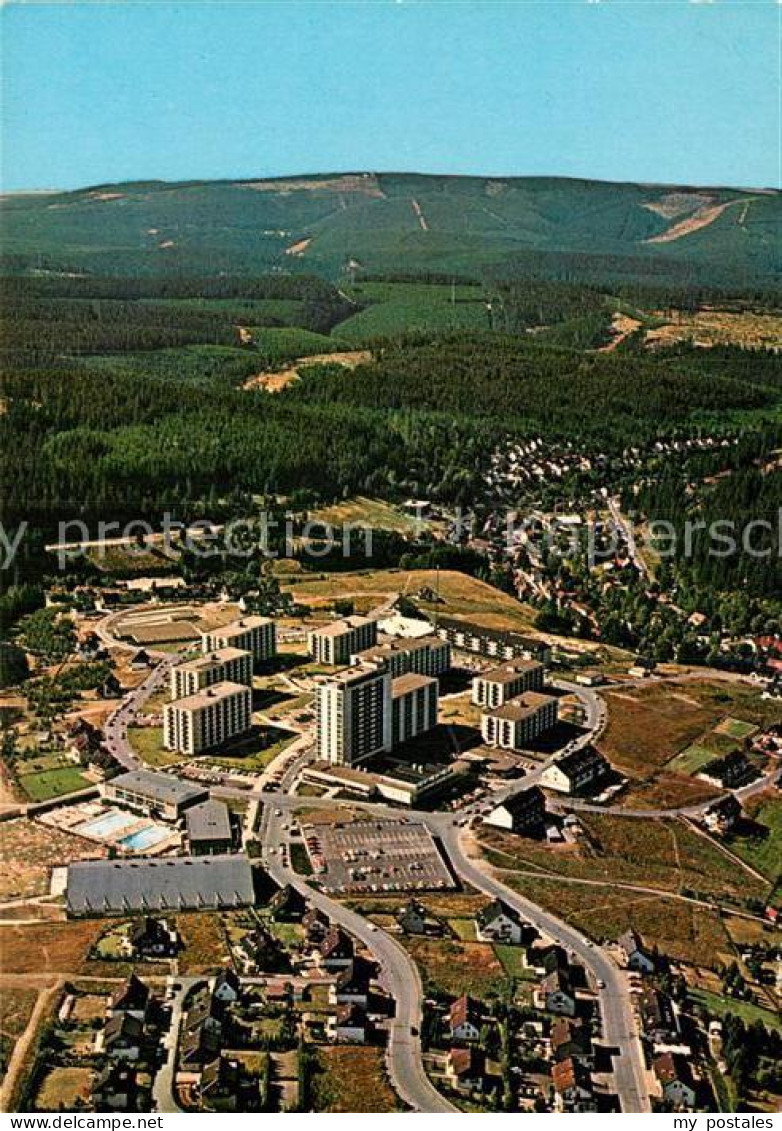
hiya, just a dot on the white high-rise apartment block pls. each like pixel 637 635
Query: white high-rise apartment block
pixel 234 665
pixel 202 721
pixel 257 635
pixel 336 643
pixel 354 716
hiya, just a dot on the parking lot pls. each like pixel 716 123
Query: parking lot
pixel 379 856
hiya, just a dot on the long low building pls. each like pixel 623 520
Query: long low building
pixel 492 642
pixel 234 665
pixel 423 655
pixel 184 883
pixel 201 722
pixel 154 794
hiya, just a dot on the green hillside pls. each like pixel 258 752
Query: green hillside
pixel 348 225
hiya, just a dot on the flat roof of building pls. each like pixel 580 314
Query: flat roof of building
pixel 507 673
pixel 501 635
pixel 211 660
pixel 159 787
pixel 405 684
pixel 396 645
pixel 340 627
pixel 352 675
pixel 210 695
pixel 105 887
pixel 208 821
pixel 236 627
pixel 522 706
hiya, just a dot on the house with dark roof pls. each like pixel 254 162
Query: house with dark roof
pixel 132 997
pixel 578 772
pixel 315 923
pixel 336 949
pixel 351 985
pixel 731 771
pixel 636 956
pixel 115 1087
pixel 570 1039
pixel 351 1024
pixel 287 905
pixel 657 1016
pixel 498 922
pixel 556 994
pixel 153 938
pixel 123 1035
pixel 572 1086
pixel 676 1083
pixel 199 1045
pixel 219 1079
pixel 465 1019
pixel 465 1069
pixel 524 813
pixel 722 815
pixel 226 986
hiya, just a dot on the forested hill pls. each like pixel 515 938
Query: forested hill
pixel 341 224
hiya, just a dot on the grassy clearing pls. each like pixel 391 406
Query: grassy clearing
pixel 64 1089
pixel 373 513
pixel 719 327
pixel 762 848
pixel 205 943
pixel 353 1079
pixel 659 854
pixel 462 595
pixel 48 948
pixel 747 1010
pixel 660 734
pixel 53 783
pixel 254 753
pixel 451 966
pixel 400 307
pixel 29 851
pixel 685 932
pixel 148 744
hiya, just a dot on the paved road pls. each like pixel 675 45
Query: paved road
pixel 116 727
pixel 619 1029
pixel 163 1093
pixel 399 975
pixel 628 534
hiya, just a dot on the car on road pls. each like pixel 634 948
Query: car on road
pixel 601 984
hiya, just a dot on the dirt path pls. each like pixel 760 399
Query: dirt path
pixel 701 218
pixel 420 215
pixel 23 1046
pixel 275 382
pixel 622 326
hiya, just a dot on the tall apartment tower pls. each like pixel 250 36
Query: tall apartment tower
pixel 257 635
pixel 354 716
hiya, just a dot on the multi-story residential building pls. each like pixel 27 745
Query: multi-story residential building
pixel 492 642
pixel 413 706
pixel 518 722
pixel 576 772
pixel 424 655
pixel 202 721
pixel 336 643
pixel 232 664
pixel 257 635
pixel 354 715
pixel 498 685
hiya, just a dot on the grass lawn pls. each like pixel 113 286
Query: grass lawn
pixel 462 595
pixel 253 753
pixel 512 959
pixel 353 1079
pixel 692 759
pixel 373 513
pixel 747 1010
pixel 451 966
pixel 148 744
pixel 205 942
pixel 53 783
pixel 300 860
pixel 736 728
pixel 764 849
pixel 62 1088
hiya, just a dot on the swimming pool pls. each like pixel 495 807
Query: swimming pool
pixel 107 824
pixel 145 838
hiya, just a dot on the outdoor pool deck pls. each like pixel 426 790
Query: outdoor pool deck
pixel 124 831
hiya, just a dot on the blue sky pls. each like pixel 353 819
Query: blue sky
pixel 658 90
